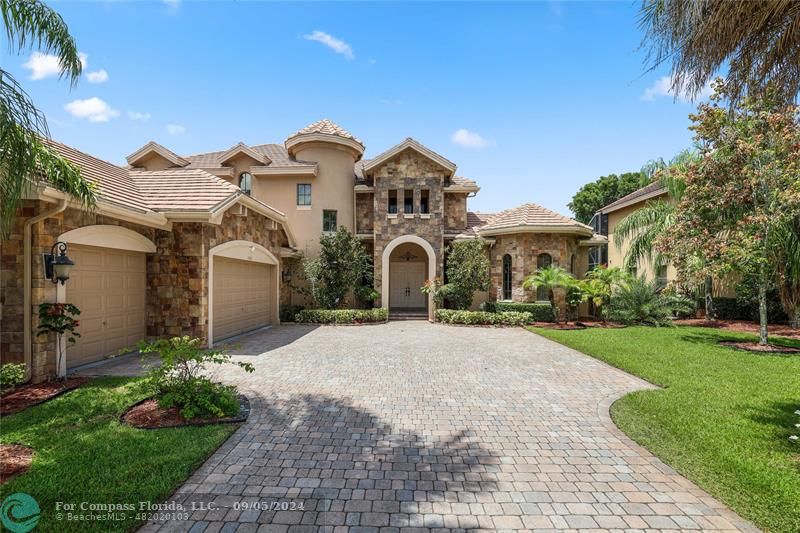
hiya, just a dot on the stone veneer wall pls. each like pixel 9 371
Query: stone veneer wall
pixel 408 170
pixel 524 248
pixel 455 211
pixel 177 275
pixel 365 212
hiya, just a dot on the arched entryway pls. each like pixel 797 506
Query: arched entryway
pixel 406 263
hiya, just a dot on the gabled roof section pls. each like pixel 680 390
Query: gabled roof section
pixel 648 191
pixel 241 148
pixel 409 144
pixel 154 147
pixel 324 131
pixel 531 218
pixel 181 189
pixel 276 155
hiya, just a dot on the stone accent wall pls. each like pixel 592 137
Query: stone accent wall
pixel 455 211
pixel 177 275
pixel 408 170
pixel 365 212
pixel 524 249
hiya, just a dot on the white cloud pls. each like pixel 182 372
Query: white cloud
pixel 98 76
pixel 92 109
pixel 337 45
pixel 84 59
pixel 469 139
pixel 42 66
pixel 663 87
pixel 172 5
pixel 176 129
pixel 137 115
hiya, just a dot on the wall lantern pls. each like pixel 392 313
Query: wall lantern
pixel 287 275
pixel 57 267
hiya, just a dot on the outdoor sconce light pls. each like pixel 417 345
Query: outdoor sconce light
pixel 287 275
pixel 58 267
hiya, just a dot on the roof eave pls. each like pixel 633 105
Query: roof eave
pixel 302 138
pixel 610 208
pixel 295 170
pixel 541 228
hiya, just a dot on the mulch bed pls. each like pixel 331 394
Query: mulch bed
pixel 561 325
pixel 760 348
pixel 14 460
pixel 148 415
pixel 29 395
pixel 740 326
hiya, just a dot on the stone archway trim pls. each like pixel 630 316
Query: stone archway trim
pixel 387 252
pixel 109 236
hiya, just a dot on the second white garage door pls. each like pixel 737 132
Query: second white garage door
pixel 241 296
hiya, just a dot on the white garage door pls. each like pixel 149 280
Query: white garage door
pixel 241 296
pixel 109 288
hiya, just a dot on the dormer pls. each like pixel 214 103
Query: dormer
pixel 447 167
pixel 239 150
pixel 153 156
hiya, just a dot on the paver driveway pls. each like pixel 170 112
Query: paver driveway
pixel 414 425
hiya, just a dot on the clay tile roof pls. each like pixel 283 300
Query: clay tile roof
pixel 461 181
pixel 654 188
pixel 276 153
pixel 531 215
pixel 182 190
pixel 326 127
pixel 114 183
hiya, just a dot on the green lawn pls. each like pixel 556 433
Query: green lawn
pixel 723 418
pixel 84 453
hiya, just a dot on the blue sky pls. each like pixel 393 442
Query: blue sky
pixel 531 100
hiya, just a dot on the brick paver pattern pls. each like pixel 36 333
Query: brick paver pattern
pixel 411 426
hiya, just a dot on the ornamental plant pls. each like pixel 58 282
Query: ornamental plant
pixel 467 272
pixel 59 318
pixel 11 375
pixel 179 381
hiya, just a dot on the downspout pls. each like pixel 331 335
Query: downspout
pixel 28 274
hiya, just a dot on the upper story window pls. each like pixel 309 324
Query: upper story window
pixel 506 277
pixel 328 221
pixel 661 276
pixel 543 261
pixel 303 194
pixel 246 182
pixel 392 207
pixel 408 201
pixel 424 201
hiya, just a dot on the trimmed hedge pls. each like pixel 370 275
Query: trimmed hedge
pixel 289 311
pixel 540 312
pixel 341 316
pixel 483 318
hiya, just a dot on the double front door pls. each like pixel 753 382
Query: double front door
pixel 405 280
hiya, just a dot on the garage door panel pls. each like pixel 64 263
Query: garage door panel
pixel 241 296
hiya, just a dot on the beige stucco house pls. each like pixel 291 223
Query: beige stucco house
pixel 207 244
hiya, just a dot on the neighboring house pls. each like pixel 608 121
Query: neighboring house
pixel 210 245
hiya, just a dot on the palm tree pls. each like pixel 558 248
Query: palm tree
pixel 758 41
pixel 549 278
pixel 787 260
pixel 600 284
pixel 642 228
pixel 25 157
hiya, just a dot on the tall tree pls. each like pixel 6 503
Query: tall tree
pixel 467 271
pixel 24 157
pixel 758 40
pixel 742 191
pixel 549 278
pixel 604 190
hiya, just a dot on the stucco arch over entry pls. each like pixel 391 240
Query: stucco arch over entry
pixel 109 236
pixel 385 263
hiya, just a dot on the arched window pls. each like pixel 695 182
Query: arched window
pixel 246 182
pixel 506 277
pixel 543 261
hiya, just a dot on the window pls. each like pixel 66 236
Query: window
pixel 392 208
pixel 506 277
pixel 661 277
pixel 424 201
pixel 408 201
pixel 543 261
pixel 303 194
pixel 597 256
pixel 246 182
pixel 328 221
pixel 572 265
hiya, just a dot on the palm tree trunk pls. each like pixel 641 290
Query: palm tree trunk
pixel 552 296
pixel 794 320
pixel 708 298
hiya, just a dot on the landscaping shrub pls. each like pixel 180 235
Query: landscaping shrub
pixel 639 302
pixel 490 306
pixel 11 375
pixel 341 316
pixel 540 312
pixel 288 312
pixel 178 381
pixel 483 318
pixel 467 272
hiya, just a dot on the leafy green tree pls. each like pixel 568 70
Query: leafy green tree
pixel 744 189
pixel 343 266
pixel 467 272
pixel 756 41
pixel 26 157
pixel 604 190
pixel 549 278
